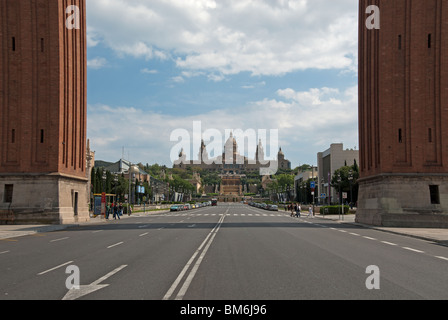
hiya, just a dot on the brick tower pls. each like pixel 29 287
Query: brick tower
pixel 43 111
pixel 403 114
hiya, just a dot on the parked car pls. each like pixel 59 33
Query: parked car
pixel 272 207
pixel 174 208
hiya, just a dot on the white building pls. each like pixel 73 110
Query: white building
pixel 328 162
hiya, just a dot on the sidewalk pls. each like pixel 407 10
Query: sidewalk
pixel 14 231
pixel 430 234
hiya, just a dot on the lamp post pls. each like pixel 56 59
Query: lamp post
pixel 132 170
pixel 116 183
pixel 340 194
pixel 103 195
pixel 350 179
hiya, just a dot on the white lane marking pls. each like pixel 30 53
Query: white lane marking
pixel 143 234
pixel 205 244
pixel 76 293
pixel 52 269
pixel 4 252
pixel 190 277
pixel 369 238
pixel 60 239
pixel 114 245
pixel 443 258
pixel 389 243
pixel 354 234
pixel 411 249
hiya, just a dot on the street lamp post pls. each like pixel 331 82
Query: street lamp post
pixel 116 183
pixel 350 179
pixel 103 196
pixel 340 195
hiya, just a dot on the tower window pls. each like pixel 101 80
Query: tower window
pixel 429 41
pixel 435 195
pixel 9 188
pixel 13 136
pixel 429 135
pixel 42 136
pixel 400 136
pixel 399 42
pixel 13 43
pixel 41 44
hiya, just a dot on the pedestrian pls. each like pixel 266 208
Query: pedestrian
pixel 297 207
pixel 120 209
pixel 310 212
pixel 116 213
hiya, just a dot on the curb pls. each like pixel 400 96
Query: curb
pixel 420 237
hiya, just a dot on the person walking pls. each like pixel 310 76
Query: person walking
pixel 298 209
pixel 116 213
pixel 310 212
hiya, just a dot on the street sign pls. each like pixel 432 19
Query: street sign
pixel 312 184
pixel 344 195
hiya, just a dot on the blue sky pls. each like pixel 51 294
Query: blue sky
pixel 156 66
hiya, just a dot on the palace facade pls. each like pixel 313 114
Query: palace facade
pixel 231 161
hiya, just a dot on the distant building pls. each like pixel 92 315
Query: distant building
pixel 300 181
pixel 122 167
pixel 231 161
pixel 328 162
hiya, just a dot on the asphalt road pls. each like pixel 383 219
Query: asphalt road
pixel 229 252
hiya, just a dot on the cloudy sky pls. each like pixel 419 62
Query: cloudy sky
pixel 157 66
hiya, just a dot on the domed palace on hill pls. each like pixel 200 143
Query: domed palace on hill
pixel 231 161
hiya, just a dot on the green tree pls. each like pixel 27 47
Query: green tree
pixel 341 181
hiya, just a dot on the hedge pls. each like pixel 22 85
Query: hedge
pixel 333 209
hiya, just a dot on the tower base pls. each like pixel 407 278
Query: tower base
pixel 43 199
pixel 404 200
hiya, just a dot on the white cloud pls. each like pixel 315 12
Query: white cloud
pixel 178 79
pixel 149 71
pixel 97 63
pixel 225 37
pixel 305 127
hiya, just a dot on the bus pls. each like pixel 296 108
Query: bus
pixel 214 202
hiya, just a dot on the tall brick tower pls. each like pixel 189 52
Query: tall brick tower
pixel 403 114
pixel 43 111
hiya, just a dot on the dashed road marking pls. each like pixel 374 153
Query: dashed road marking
pixel 411 249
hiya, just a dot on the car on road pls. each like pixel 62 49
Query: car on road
pixel 272 207
pixel 175 208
